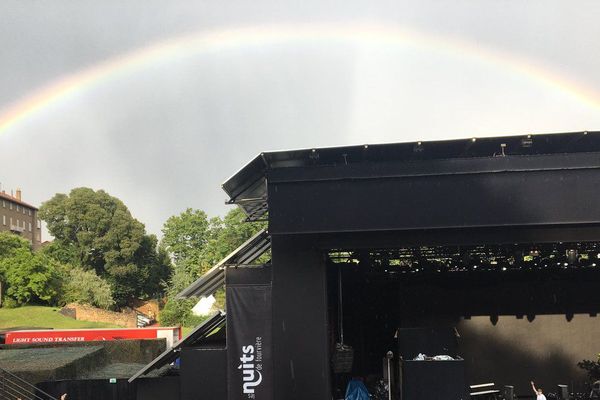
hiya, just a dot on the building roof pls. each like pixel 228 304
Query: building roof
pixel 248 187
pixel 8 197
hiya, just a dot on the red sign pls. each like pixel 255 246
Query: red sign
pixel 171 334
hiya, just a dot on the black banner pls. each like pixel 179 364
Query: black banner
pixel 249 369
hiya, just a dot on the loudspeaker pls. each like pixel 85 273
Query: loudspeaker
pixel 563 392
pixel 509 392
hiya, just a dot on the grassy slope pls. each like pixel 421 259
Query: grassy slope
pixel 43 317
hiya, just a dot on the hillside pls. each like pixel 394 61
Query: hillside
pixel 43 317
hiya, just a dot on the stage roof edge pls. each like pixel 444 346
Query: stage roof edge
pixel 248 187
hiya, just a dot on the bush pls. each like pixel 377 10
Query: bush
pixel 179 312
pixel 87 288
pixel 9 303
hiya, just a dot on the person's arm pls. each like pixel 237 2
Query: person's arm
pixel 533 387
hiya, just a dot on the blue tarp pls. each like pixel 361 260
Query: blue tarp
pixel 356 390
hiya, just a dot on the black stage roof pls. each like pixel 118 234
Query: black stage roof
pixel 248 187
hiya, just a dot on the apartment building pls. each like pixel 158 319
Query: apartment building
pixel 20 218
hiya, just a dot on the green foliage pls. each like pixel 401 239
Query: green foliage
pixel 59 252
pixel 179 312
pixel 184 237
pixel 86 287
pixel 10 242
pixel 227 235
pixel 197 244
pixel 186 234
pixel 29 277
pixel 96 231
pixel 9 302
pixel 154 268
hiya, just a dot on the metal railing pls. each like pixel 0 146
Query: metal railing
pixel 14 388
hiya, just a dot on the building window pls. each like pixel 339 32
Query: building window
pixel 30 213
pixel 30 227
pixel 4 203
pixel 23 210
pixel 4 219
pixel 39 224
pixel 11 222
pixel 10 205
pixel 18 208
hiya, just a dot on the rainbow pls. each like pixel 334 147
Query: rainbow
pixel 218 40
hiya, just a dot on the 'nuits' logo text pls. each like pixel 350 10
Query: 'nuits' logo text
pixel 251 365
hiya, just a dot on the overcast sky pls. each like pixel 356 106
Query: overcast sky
pixel 164 134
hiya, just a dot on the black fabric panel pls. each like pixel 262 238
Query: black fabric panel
pixel 166 387
pixel 203 374
pixel 431 380
pixel 301 352
pixel 525 198
pixel 251 275
pixel 249 332
pixel 92 389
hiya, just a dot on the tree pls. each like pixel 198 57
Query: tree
pixel 9 243
pixel 184 237
pixel 86 287
pixel 29 277
pixel 196 245
pixel 227 235
pixel 96 231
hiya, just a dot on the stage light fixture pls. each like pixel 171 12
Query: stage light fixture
pixel 527 142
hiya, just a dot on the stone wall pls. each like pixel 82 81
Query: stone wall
pixel 126 318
